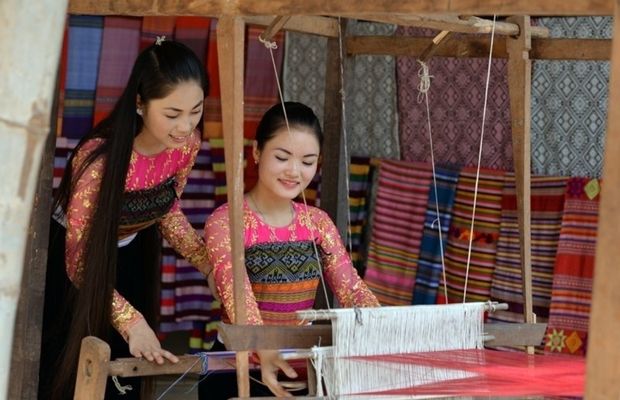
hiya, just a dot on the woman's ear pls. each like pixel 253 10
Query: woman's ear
pixel 255 151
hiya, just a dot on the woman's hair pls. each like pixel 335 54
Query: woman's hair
pixel 299 116
pixel 156 72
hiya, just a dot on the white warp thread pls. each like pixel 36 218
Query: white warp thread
pixel 394 330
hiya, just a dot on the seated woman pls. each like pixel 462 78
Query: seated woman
pixel 283 265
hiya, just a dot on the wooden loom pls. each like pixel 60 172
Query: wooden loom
pixel 602 382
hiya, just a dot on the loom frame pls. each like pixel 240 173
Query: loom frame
pixel 602 359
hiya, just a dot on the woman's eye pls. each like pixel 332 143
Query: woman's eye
pixel 308 163
pixel 196 112
pixel 280 158
pixel 171 116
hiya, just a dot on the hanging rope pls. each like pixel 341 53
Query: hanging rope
pixel 484 113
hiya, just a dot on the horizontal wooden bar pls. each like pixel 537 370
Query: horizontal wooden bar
pixel 514 334
pixel 322 26
pixel 126 367
pixel 476 47
pixel 341 7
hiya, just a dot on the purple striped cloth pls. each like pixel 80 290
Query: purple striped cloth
pixel 397 228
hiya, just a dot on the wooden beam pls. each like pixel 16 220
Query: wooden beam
pixel 603 359
pixel 439 40
pixel 274 27
pixel 477 47
pixel 92 372
pixel 322 26
pixel 230 49
pixel 356 8
pixel 520 87
pixel 455 23
pixel 298 337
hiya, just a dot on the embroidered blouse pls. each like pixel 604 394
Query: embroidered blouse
pixel 282 268
pixel 159 179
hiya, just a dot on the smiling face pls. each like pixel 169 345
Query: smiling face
pixel 169 121
pixel 288 162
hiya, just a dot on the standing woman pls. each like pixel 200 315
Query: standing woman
pixel 120 190
pixel 283 265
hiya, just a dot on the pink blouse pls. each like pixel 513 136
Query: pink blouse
pixel 144 172
pixel 307 224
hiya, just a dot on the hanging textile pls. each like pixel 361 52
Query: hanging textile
pixel 398 222
pixel 359 170
pixel 116 61
pixel 370 84
pixel 456 99
pixel 83 48
pixel 213 106
pixel 571 294
pixel 547 205
pixel 429 270
pixel 485 235
pixel 194 33
pixel 569 104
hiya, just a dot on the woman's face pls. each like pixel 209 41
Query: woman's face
pixel 169 121
pixel 288 162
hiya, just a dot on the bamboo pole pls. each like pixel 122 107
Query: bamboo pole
pixel 28 67
pixel 230 48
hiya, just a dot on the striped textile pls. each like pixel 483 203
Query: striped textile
pixel 194 33
pixel 62 80
pixel 84 39
pixel 398 223
pixel 213 106
pixel 486 233
pixel 359 175
pixel 116 61
pixel 567 330
pixel 185 296
pixel 547 205
pixel 156 26
pixel 430 266
pixel 64 147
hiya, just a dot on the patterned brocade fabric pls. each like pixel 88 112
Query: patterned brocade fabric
pixel 282 266
pixel 152 189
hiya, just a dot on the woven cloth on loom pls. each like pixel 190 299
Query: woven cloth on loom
pixel 359 170
pixel 485 235
pixel 152 27
pixel 185 296
pixel 116 61
pixel 429 265
pixel 84 45
pixel 547 204
pixel 571 295
pixel 398 222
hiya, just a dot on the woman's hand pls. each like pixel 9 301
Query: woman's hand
pixel 144 343
pixel 270 363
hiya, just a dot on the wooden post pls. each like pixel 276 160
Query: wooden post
pixel 230 48
pixel 520 83
pixel 28 66
pixel 92 372
pixel 603 359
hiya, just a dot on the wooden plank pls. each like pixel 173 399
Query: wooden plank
pixel 278 337
pixel 341 7
pixel 24 372
pixel 92 372
pixel 322 26
pixel 520 87
pixel 603 359
pixel 230 48
pixel 455 23
pixel 476 47
pixel 274 27
pixel 238 338
pixel 129 367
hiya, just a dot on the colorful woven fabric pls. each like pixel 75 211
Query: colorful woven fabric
pixel 116 61
pixel 213 105
pixel 194 33
pixel 398 223
pixel 84 45
pixel 359 170
pixel 571 294
pixel 547 205
pixel 152 27
pixel 485 235
pixel 456 99
pixel 430 265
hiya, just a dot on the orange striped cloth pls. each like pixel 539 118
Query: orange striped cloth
pixel 485 235
pixel 571 294
pixel 398 223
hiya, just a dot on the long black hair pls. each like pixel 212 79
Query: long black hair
pixel 299 116
pixel 156 72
